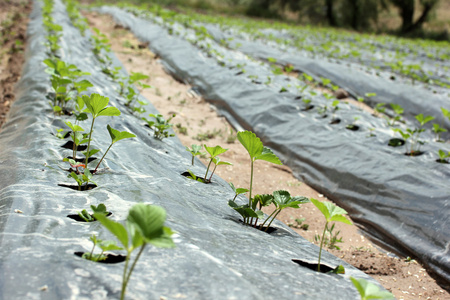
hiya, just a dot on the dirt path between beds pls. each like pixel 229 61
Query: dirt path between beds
pixel 13 25
pixel 198 123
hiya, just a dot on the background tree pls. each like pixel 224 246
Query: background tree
pixel 406 10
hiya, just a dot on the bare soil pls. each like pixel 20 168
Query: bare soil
pixel 13 25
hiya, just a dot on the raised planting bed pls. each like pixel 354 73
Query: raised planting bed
pixel 215 257
pixel 400 200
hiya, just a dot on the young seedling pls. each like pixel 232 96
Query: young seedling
pixel 87 217
pixel 281 199
pixel 96 106
pixel 160 126
pixel 332 213
pixel 368 290
pixel 437 129
pixel 398 111
pixel 144 225
pixel 115 137
pixel 77 136
pixel 81 179
pixel 307 104
pixel 443 156
pixel 218 162
pixel 379 109
pixel 60 134
pixel 331 238
pixel 256 151
pixel 353 126
pixel 237 191
pixel 195 150
pixel 414 134
pixel 213 153
pixel 104 245
pixel 74 164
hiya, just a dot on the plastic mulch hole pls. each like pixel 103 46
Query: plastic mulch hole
pixel 88 187
pixel 352 127
pixel 396 142
pixel 414 153
pixel 335 121
pixel 69 145
pixel 199 179
pixel 263 229
pixel 313 265
pixel 309 107
pixel 442 161
pixel 66 135
pixel 79 219
pixel 110 258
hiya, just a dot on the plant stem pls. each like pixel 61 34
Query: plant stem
pixel 262 225
pixel 250 191
pixel 272 220
pixel 207 169
pixel 103 157
pixel 193 159
pixel 89 143
pixel 92 252
pixel 321 245
pixel 124 275
pixel 210 177
pixel 127 277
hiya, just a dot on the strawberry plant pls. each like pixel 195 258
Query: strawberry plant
pixel 213 153
pixel 414 134
pixel 87 217
pixel 195 150
pixel 443 156
pixel 96 106
pixel 104 245
pixel 160 126
pixel 144 225
pixel 115 137
pixel 82 179
pixel 256 151
pixel 332 213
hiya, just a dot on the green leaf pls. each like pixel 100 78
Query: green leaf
pixel 214 151
pixel 118 135
pixel 423 120
pixel 149 221
pixel 101 209
pixel 239 191
pixel 331 212
pixel 321 207
pixel 110 112
pixel 368 290
pixel 338 270
pixel 115 228
pixel 251 143
pixel 268 155
pixel 74 127
pixel 109 245
pixel 264 200
pixel 96 105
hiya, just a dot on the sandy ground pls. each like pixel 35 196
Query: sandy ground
pixel 13 24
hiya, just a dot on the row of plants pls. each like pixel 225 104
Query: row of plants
pixel 396 54
pixel 306 89
pixel 145 224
